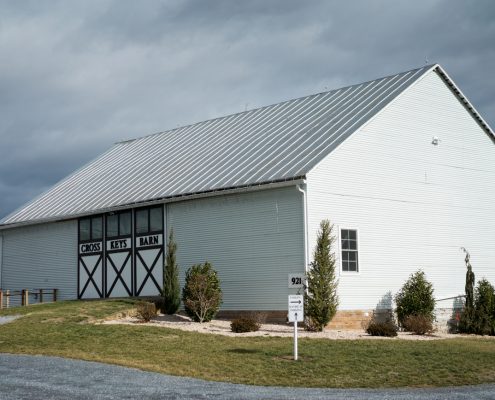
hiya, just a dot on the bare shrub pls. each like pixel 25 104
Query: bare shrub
pixel 146 311
pixel 381 324
pixel 244 324
pixel 419 324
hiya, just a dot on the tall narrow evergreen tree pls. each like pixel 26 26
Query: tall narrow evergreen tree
pixel 171 289
pixel 467 322
pixel 321 300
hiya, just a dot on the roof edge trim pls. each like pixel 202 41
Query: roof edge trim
pixel 486 127
pixel 165 200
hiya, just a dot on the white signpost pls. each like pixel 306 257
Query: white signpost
pixel 296 314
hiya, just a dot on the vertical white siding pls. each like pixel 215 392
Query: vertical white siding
pixel 414 204
pixel 254 240
pixel 41 256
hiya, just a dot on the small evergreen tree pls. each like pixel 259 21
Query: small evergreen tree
pixel 415 298
pixel 467 320
pixel 201 294
pixel 321 300
pixel 484 308
pixel 171 289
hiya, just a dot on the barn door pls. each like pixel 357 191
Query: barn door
pixel 148 276
pixel 90 258
pixel 118 255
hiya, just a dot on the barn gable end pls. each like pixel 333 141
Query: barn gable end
pixel 417 183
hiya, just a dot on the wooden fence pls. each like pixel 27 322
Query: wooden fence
pixel 24 297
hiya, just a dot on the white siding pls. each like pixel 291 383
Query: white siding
pixel 254 240
pixel 414 204
pixel 41 256
pixel 1 259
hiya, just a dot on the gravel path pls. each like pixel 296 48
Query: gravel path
pixel 39 377
pixel 8 318
pixel 222 327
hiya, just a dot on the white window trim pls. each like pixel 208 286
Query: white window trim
pixel 351 273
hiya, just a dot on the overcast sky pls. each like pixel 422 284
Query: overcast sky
pixel 77 76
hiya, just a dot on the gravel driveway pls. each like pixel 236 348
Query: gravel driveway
pixel 39 377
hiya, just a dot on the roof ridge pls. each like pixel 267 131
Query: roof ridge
pixel 272 105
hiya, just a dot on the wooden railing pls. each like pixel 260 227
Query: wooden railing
pixel 24 297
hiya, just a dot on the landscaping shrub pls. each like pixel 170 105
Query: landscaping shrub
pixel 146 311
pixel 484 308
pixel 380 325
pixel 244 324
pixel 418 324
pixel 467 319
pixel 415 298
pixel 201 294
pixel 259 316
pixel 171 289
pixel 321 301
pixel 159 304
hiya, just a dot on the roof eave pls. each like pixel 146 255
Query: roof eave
pixel 172 199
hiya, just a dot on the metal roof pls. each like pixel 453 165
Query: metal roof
pixel 275 143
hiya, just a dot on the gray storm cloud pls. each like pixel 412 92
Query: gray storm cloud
pixel 77 76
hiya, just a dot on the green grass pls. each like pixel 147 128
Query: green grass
pixel 62 329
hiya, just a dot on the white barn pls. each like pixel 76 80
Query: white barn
pixel 403 166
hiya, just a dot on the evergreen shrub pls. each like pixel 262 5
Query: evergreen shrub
pixel 415 298
pixel 171 289
pixel 467 323
pixel 202 294
pixel 321 300
pixel 484 308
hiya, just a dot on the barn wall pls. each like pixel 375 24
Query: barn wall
pixel 41 256
pixel 414 204
pixel 1 258
pixel 254 240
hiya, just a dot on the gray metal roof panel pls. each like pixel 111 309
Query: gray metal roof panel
pixel 273 143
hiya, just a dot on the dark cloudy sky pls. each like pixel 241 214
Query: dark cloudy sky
pixel 77 76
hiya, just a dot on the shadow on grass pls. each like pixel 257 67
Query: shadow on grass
pixel 244 351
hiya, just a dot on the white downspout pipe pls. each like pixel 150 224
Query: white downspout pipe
pixel 305 213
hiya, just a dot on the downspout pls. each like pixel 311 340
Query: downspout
pixel 305 213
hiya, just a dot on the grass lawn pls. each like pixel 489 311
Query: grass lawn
pixel 62 329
